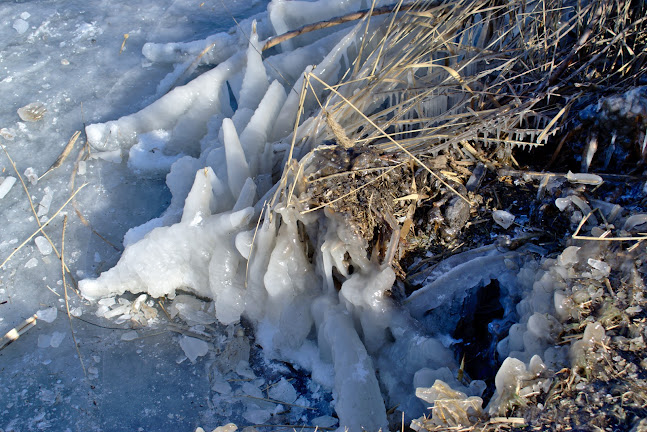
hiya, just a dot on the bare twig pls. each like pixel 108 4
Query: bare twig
pixel 67 302
pixel 273 41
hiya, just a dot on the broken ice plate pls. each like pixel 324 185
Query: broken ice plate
pixel 32 112
pixel 503 218
pixel 584 178
pixel 5 185
pixel 48 315
pixel 193 348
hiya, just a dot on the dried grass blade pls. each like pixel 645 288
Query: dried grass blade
pixel 64 154
pixel 33 210
pixel 67 302
pixel 42 226
pixel 549 126
pixel 392 140
pixel 13 334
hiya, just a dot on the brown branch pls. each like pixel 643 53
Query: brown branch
pixel 275 40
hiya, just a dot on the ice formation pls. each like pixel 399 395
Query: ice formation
pixel 220 140
pixel 450 407
pixel 206 242
pixel 220 169
pixel 6 184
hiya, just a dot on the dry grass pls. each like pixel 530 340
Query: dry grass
pixel 64 154
pixel 67 298
pixel 473 79
pixel 42 226
pixel 33 209
pixel 484 73
pixel 445 86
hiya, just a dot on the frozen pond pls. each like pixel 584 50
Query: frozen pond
pixel 66 55
pixel 238 222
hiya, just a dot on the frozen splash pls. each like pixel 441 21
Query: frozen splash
pixel 234 234
pixel 207 242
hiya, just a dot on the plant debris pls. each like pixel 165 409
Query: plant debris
pixel 569 89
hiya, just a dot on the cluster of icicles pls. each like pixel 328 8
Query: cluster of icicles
pixel 219 168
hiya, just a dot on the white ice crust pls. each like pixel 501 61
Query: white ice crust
pixel 220 167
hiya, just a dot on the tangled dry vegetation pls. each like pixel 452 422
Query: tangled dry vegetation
pixel 454 85
pixel 465 107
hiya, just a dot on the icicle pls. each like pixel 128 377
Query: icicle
pixel 291 286
pixel 255 135
pixel 247 196
pixel 364 295
pixel 237 168
pixel 358 403
pixel 636 220
pixel 287 114
pixel 589 151
pixel 264 240
pixel 226 282
pixel 583 178
pixel 198 205
pixel 327 70
pixel 255 82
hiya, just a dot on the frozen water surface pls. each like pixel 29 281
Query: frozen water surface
pixel 253 328
pixel 61 68
pixel 352 353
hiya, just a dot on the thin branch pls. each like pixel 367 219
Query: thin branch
pixel 67 302
pixel 273 41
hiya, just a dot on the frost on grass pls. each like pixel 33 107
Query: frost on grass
pixel 295 230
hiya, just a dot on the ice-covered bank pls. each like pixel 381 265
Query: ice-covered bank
pixel 292 173
pixel 209 243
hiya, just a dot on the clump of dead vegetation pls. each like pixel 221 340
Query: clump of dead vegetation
pixel 461 109
pixel 451 85
pixel 606 388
